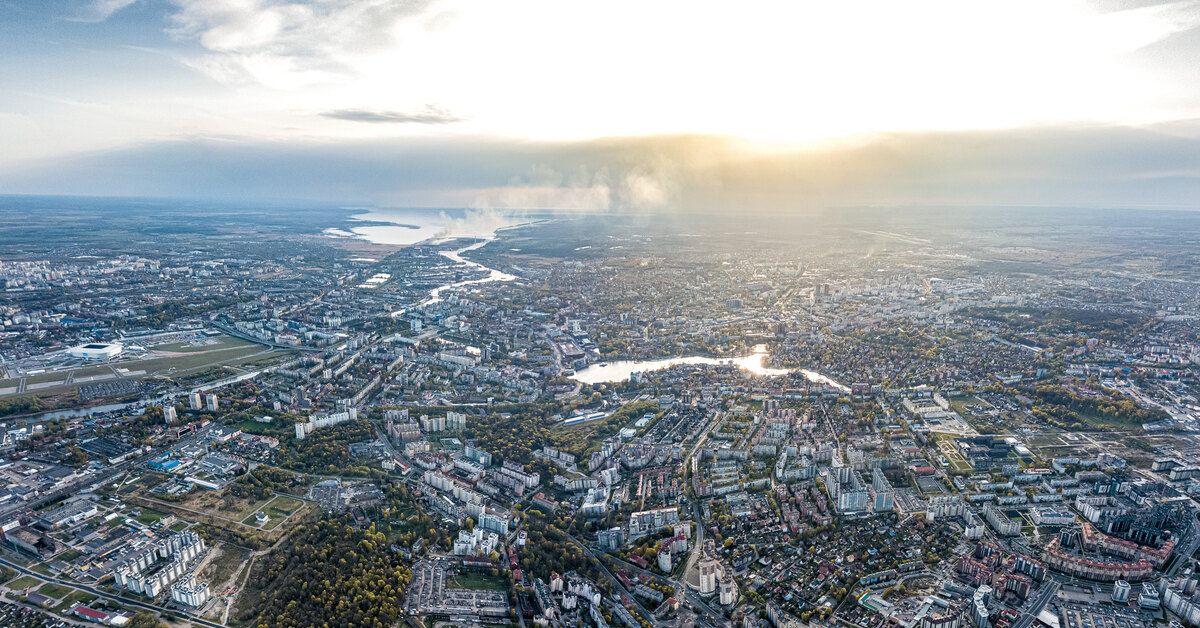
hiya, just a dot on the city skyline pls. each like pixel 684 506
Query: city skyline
pixel 664 314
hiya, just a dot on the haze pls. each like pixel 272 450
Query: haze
pixel 604 105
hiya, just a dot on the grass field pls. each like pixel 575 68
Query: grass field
pixel 278 509
pixel 225 350
pixel 55 591
pixel 90 371
pixel 81 597
pixel 945 444
pixel 23 582
pixel 166 366
pixel 283 506
pixel 150 516
pixel 46 377
pixel 218 342
pixel 475 581
pixel 179 526
pixel 1115 424
pixel 1043 440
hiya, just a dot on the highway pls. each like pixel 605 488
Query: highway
pixel 274 345
pixel 1185 553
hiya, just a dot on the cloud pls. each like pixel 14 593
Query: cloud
pixel 1079 166
pixel 476 223
pixel 287 44
pixel 429 115
pixel 97 11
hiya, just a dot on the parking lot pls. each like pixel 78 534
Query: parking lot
pixel 930 484
pixel 427 594
pixel 1073 615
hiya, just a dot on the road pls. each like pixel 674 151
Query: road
pixel 1039 603
pixel 616 583
pixel 119 599
pixel 1185 553
pixel 238 334
pixel 42 611
pixel 697 541
pixel 75 487
pixel 691 596
pixel 709 615
pixel 387 442
pixel 680 588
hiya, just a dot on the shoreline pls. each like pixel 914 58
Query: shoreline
pixel 622 373
pixel 345 230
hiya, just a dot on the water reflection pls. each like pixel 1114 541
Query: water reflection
pixel 621 370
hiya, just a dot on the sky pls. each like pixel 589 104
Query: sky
pixel 599 105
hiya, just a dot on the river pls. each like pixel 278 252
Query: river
pixel 456 256
pixel 435 295
pixel 620 370
pixel 482 225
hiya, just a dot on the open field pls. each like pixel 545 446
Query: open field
pixel 201 344
pixel 222 571
pixel 278 509
pixel 232 356
pixel 477 581
pixel 150 516
pixel 23 582
pixel 219 504
pixel 945 444
pixel 76 596
pixel 959 404
pixel 235 514
pixel 55 591
pixel 172 360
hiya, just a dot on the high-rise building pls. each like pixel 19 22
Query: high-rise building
pixel 190 593
pixel 194 401
pixel 978 609
pixel 610 540
pixel 884 495
pixel 1120 592
pixel 1148 598
pixel 212 402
